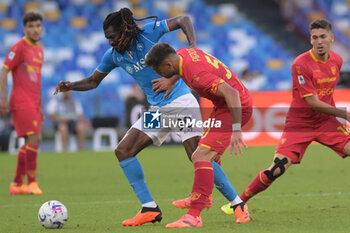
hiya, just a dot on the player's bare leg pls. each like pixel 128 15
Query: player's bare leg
pixel 81 134
pixel 63 129
pixel 265 177
pixel 133 142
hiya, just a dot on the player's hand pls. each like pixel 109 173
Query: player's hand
pixel 4 106
pixel 162 84
pixel 236 142
pixel 63 86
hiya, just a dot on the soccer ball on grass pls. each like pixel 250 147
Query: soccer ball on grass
pixel 53 214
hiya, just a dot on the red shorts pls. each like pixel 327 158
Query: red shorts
pixel 218 139
pixel 297 137
pixel 26 121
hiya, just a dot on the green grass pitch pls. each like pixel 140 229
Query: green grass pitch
pixel 311 197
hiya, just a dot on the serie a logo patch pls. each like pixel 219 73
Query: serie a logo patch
pixel 301 79
pixel 11 55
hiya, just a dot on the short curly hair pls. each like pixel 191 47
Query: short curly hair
pixel 158 53
pixel 321 23
pixel 31 16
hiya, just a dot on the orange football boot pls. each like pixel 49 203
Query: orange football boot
pixel 145 215
pixel 186 221
pixel 34 188
pixel 185 203
pixel 242 213
pixel 19 190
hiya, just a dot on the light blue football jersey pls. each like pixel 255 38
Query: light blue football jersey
pixel 134 63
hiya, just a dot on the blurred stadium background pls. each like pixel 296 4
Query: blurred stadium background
pixel 261 36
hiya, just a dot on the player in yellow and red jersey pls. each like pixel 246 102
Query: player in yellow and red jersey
pixel 211 79
pixel 312 114
pixel 24 60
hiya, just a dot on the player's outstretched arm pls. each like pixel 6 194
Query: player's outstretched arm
pixel 85 84
pixel 185 23
pixel 4 105
pixel 233 102
pixel 318 105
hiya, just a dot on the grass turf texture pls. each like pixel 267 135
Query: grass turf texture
pixel 311 197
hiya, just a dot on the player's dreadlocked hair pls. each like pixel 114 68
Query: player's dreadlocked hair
pixel 123 23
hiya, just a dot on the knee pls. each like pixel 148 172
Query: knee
pixel 201 155
pixel 63 129
pixel 34 140
pixel 80 127
pixel 123 153
pixel 195 157
pixel 278 168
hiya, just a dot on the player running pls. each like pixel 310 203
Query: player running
pixel 129 47
pixel 211 79
pixel 312 114
pixel 25 59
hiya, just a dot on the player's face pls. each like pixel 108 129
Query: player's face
pixel 321 40
pixel 112 36
pixel 165 70
pixel 33 30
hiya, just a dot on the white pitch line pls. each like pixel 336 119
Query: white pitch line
pixel 169 200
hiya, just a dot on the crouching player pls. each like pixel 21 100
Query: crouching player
pixel 211 79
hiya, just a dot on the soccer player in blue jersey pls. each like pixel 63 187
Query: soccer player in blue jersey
pixel 129 46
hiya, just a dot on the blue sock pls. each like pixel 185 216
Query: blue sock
pixel 222 183
pixel 133 171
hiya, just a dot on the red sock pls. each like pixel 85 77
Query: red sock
pixel 260 183
pixel 202 186
pixel 21 166
pixel 32 153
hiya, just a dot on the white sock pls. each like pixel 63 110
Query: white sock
pixel 236 201
pixel 151 204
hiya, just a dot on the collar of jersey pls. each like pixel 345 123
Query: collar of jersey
pixel 317 60
pixel 28 41
pixel 180 66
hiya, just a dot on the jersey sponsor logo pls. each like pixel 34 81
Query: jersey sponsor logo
pixel 158 24
pixel 119 59
pixel 140 65
pixel 301 80
pixel 129 69
pixel 11 55
pixel 37 60
pixel 325 91
pixel 140 46
pixel 152 119
pixel 326 80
